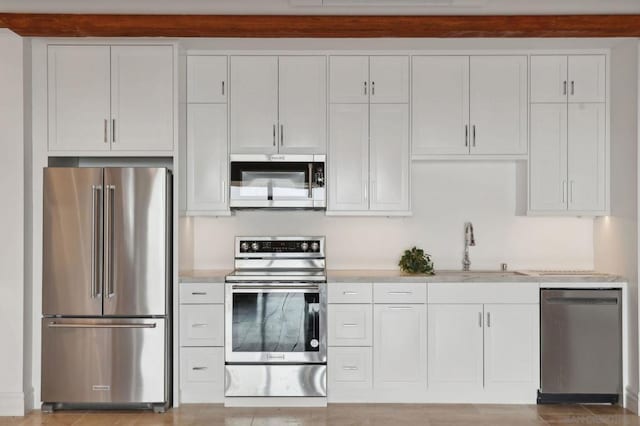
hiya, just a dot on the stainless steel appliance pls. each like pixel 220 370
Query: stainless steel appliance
pixel 278 181
pixel 106 297
pixel 275 328
pixel 581 345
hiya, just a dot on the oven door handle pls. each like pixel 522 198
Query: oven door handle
pixel 276 288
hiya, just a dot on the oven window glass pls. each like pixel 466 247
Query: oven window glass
pixel 276 322
pixel 269 181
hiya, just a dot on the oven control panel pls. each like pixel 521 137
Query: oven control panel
pixel 280 246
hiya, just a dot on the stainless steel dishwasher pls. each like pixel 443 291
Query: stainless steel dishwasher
pixel 580 345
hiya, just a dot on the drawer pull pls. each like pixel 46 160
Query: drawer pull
pixel 350 325
pixel 349 293
pixel 198 293
pixel 350 368
pixel 399 292
pixel 200 368
pixel 199 325
pixel 400 308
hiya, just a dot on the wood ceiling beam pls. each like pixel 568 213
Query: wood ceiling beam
pixel 320 26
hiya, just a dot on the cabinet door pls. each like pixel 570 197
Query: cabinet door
pixel 349 325
pixel 498 104
pixel 400 349
pixel 548 158
pixel 207 157
pixel 549 78
pixel 207 79
pixel 389 79
pixel 349 79
pixel 201 375
pixel 202 325
pixel 587 77
pixel 587 157
pixel 78 98
pixel 348 157
pixel 440 100
pixel 142 103
pixel 511 346
pixel 253 103
pixel 389 157
pixel 455 346
pixel 303 104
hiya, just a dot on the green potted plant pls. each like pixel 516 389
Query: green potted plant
pixel 416 261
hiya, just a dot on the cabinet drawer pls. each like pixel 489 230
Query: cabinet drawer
pixel 483 293
pixel 400 293
pixel 194 293
pixel 202 325
pixel 349 293
pixel 350 367
pixel 201 375
pixel 350 325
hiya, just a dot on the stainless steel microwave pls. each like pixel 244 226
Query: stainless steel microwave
pixel 278 181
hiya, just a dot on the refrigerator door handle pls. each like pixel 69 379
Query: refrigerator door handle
pixel 108 263
pixel 96 241
pixel 81 325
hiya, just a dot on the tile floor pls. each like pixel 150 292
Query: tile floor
pixel 348 415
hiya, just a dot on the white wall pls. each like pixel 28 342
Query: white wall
pixel 616 236
pixel 11 224
pixel 444 196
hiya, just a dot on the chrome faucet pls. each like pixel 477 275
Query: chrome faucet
pixel 469 240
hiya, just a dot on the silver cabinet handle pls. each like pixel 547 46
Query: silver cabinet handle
pixel 399 292
pixel 109 224
pixel 573 86
pixel 365 87
pixel 96 240
pixel 466 135
pixel 564 87
pixel 282 135
pixel 198 293
pixel 199 325
pixel 113 130
pixel 82 325
pixel 200 368
pixel 350 368
pixel 474 134
pixel 274 135
pixel 400 308
pixel 488 319
pixel 222 87
pixel 106 130
pixel 366 191
pixel 349 293
pixel 373 88
pixel 349 325
pixel 480 319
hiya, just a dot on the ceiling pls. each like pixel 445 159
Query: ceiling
pixel 326 7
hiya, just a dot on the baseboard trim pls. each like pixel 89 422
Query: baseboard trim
pixel 11 404
pixel 275 402
pixel 631 400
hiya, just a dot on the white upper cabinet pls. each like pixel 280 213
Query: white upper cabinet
pixel 455 346
pixel 207 79
pixel 348 157
pixel 498 104
pixel 389 79
pixel 587 157
pixel 349 79
pixel 511 346
pixel 440 105
pixel 548 158
pixel 207 157
pixel 253 105
pixel 79 108
pixel 105 98
pixel 363 79
pixel 389 157
pixel 573 78
pixel 302 104
pixel 142 104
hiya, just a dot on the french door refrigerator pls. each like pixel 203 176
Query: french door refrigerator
pixel 106 337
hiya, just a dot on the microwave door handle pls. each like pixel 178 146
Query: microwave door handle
pixel 310 180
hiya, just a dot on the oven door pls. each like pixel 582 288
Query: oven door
pixel 289 182
pixel 274 323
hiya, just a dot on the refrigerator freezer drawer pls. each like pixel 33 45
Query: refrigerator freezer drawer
pixel 93 360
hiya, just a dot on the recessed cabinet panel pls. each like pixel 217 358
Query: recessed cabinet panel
pixel 349 368
pixel 349 157
pixel 253 103
pixel 455 346
pixel 207 79
pixel 201 375
pixel 207 157
pixel 548 157
pixel 587 78
pixel 202 325
pixel 440 105
pixel 587 157
pixel 549 78
pixel 349 79
pixel 389 157
pixel 498 104
pixel 142 102
pixel 389 79
pixel 302 104
pixel 349 325
pixel 79 90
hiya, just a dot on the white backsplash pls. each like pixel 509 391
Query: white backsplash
pixel 444 196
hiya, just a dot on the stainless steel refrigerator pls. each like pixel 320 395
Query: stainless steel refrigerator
pixel 106 326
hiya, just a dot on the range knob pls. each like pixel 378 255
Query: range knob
pixel 244 246
pixel 315 246
pixel 304 246
pixel 255 246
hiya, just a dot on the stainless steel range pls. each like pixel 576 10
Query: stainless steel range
pixel 275 328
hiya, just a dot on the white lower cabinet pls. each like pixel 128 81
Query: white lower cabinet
pixel 201 375
pixel 349 325
pixel 349 368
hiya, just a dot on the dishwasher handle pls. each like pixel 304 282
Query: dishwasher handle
pixel 582 300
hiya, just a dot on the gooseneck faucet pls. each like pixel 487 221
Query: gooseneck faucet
pixel 469 240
